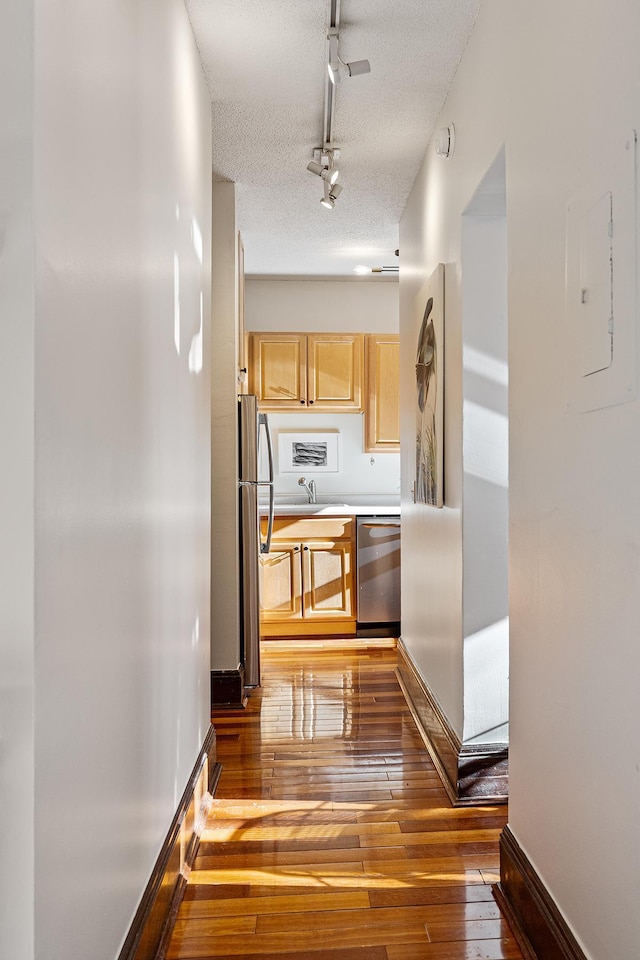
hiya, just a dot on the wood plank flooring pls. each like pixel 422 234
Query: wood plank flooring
pixel 331 836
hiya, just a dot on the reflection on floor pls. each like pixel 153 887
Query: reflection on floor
pixel 331 836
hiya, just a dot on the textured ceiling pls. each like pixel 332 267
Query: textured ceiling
pixel 265 64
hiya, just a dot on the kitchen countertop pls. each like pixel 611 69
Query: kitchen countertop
pixel 331 507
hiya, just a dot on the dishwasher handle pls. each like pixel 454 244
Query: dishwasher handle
pixel 384 523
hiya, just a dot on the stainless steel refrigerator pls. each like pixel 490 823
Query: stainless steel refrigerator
pixel 253 432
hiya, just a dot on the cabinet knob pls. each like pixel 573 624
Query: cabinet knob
pixel 310 401
pixel 302 402
pixel 306 548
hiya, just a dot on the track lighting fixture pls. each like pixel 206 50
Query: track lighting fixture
pixel 336 67
pixel 323 163
pixel 322 166
pixel 331 194
pixel 324 157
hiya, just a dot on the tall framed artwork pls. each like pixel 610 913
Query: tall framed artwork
pixel 429 478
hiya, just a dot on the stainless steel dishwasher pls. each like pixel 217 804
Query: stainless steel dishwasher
pixel 378 570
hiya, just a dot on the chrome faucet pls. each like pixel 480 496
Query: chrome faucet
pixel 310 487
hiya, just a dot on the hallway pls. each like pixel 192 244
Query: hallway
pixel 330 835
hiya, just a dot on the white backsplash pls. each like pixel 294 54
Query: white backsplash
pixel 364 475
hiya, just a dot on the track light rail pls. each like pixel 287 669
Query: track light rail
pixel 323 157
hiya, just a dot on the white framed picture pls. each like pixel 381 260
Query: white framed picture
pixel 310 452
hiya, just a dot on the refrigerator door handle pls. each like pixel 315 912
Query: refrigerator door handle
pixel 265 546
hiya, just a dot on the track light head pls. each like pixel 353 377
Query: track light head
pixel 337 68
pixel 329 174
pixel 358 67
pixel 331 194
pixel 338 71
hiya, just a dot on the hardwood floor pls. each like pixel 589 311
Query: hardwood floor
pixel 330 835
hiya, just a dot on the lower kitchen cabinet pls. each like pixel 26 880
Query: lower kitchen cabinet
pixel 307 583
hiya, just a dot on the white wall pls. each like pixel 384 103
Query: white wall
pixel 359 473
pixel 431 584
pixel 352 306
pixel 16 482
pixel 112 708
pixel 485 425
pixel 574 478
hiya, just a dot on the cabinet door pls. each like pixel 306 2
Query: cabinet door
pixel 281 583
pixel 334 371
pixel 382 410
pixel 327 572
pixel 279 370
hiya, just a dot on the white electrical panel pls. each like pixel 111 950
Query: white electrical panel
pixel 601 287
pixel 594 304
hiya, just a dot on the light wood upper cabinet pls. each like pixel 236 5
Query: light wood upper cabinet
pixel 382 409
pixel 307 371
pixel 278 370
pixel 334 371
